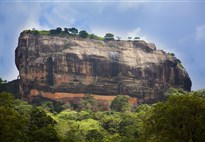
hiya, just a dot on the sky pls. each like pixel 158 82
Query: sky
pixel 174 26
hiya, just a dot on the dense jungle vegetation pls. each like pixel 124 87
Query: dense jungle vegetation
pixel 181 118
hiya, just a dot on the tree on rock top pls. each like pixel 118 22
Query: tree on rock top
pixel 83 34
pixel 109 36
pixel 73 31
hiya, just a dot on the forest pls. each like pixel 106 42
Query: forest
pixel 180 118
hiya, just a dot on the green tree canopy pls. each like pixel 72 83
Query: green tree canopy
pixel 129 38
pixel 6 99
pixel 41 127
pixel 12 124
pixel 109 36
pixel 83 34
pixel 136 38
pixel 66 30
pixel 120 103
pixel 73 31
pixel 180 119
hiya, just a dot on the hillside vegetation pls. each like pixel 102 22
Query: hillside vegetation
pixel 181 118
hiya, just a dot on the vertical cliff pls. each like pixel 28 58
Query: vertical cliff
pixel 60 67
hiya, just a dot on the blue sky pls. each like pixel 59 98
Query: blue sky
pixel 174 26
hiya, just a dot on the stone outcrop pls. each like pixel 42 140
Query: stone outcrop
pixel 55 65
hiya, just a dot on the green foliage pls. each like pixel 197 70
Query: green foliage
pixel 180 119
pixel 44 32
pixel 87 102
pixel 200 93
pixel 11 87
pixel 58 29
pixel 41 126
pixel 52 106
pixel 136 38
pixel 129 38
pixel 21 122
pixel 6 99
pixel 11 125
pixel 22 107
pixel 83 34
pixel 143 108
pixel 174 91
pixel 49 105
pixel 120 103
pixel 93 36
pixel 11 122
pixel 172 54
pixel 35 32
pixel 109 36
pixel 94 135
pixel 67 32
pixel 81 130
pixel 73 31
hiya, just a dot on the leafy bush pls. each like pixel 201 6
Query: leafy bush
pixel 109 36
pixel 83 34
pixel 121 103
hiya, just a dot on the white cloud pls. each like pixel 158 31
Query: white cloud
pixel 200 33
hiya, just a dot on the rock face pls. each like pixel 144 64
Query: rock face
pixel 55 65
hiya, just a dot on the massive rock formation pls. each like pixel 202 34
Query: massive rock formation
pixel 58 67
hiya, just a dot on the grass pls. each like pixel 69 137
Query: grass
pixel 44 32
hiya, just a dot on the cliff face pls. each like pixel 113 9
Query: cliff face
pixel 56 67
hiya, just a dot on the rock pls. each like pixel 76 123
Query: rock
pixel 54 64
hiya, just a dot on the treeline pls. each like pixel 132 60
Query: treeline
pixel 73 32
pixel 69 32
pixel 181 118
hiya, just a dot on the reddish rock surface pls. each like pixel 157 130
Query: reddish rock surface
pixel 59 67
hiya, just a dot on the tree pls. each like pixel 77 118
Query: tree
pixel 36 32
pixel 58 29
pixel 83 34
pixel 88 102
pixel 120 103
pixel 73 31
pixel 180 119
pixel 6 99
pixel 94 135
pixel 92 36
pixel 41 127
pixel 109 36
pixel 136 38
pixel 66 30
pixel 129 38
pixel 87 130
pixel 12 124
